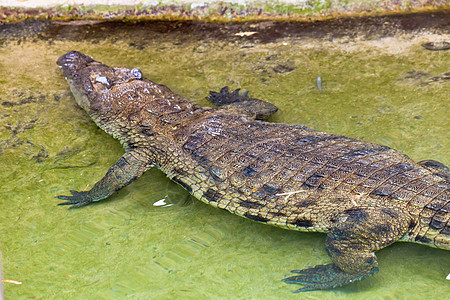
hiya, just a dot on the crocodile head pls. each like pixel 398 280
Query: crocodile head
pixel 101 90
pixel 91 80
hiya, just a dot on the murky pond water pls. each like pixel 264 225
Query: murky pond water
pixel 377 85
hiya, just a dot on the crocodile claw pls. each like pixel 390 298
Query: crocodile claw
pixel 77 199
pixel 323 277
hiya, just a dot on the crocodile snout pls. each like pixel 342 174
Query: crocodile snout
pixel 76 68
pixel 73 60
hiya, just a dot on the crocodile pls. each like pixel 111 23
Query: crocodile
pixel 363 195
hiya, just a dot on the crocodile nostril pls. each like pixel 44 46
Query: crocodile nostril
pixel 73 57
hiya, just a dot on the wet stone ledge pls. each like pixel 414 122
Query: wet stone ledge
pixel 367 27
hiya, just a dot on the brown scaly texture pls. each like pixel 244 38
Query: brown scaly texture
pixel 363 195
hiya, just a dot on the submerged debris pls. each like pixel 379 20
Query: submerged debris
pixel 436 46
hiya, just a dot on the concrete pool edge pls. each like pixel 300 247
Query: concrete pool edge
pixel 214 11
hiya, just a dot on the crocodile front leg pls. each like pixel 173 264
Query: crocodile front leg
pixel 351 244
pixel 128 168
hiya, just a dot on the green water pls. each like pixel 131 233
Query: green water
pixel 386 90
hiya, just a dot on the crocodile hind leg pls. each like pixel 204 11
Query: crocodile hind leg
pixel 259 109
pixel 128 168
pixel 351 243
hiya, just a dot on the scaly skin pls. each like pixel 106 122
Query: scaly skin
pixel 363 195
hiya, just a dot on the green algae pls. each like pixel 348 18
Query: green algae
pixel 387 90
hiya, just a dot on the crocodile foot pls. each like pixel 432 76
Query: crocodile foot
pixel 323 277
pixel 77 199
pixel 224 97
pixel 258 109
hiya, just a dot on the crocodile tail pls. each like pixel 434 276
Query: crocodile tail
pixel 436 167
pixel 440 221
pixel 432 222
pixel 439 227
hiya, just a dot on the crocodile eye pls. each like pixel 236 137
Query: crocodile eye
pixel 104 80
pixel 136 73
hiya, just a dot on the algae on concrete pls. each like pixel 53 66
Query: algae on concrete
pixel 209 10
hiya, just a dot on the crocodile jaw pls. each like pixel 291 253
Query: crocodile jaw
pixel 74 64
